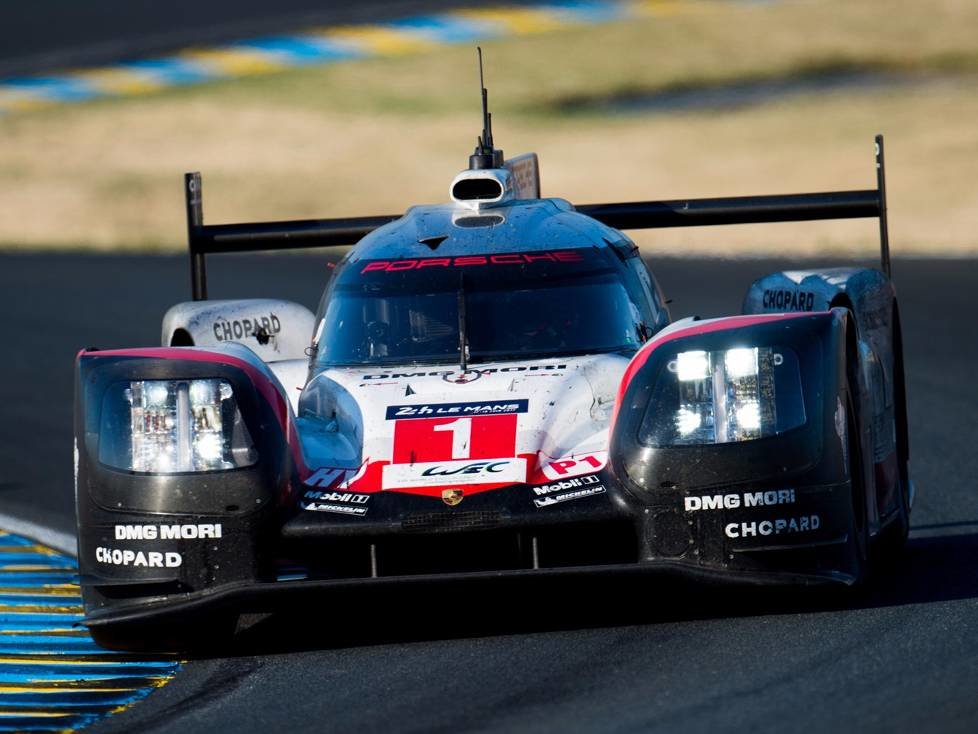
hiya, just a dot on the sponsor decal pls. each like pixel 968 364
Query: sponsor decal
pixel 451 375
pixel 439 410
pixel 336 508
pixel 431 474
pixel 788 300
pixel 343 503
pixel 780 526
pixel 575 465
pixel 454 436
pixel 577 494
pixel 346 497
pixel 125 557
pixel 266 326
pixel 510 258
pixel 735 500
pixel 452 497
pixel 329 477
pixel 198 531
pixel 567 484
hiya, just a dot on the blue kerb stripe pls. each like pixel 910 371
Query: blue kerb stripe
pixel 587 12
pixel 52 644
pixel 48 618
pixel 61 89
pixel 174 72
pixel 38 600
pixel 22 672
pixel 32 558
pixel 27 723
pixel 448 29
pixel 9 540
pixel 302 50
pixel 67 675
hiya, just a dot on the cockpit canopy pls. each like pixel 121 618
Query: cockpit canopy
pixel 532 304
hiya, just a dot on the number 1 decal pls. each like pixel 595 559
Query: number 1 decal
pixel 447 439
pixel 461 436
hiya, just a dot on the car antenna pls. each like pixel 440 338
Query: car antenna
pixel 463 337
pixel 486 155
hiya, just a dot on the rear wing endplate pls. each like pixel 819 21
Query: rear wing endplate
pixel 307 233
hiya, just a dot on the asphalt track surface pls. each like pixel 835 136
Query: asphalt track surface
pixel 48 35
pixel 900 655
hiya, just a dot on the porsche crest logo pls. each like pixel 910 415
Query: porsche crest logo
pixel 452 497
pixel 462 378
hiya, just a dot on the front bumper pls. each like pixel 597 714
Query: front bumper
pixel 740 536
pixel 278 596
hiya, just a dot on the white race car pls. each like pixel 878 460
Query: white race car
pixel 490 386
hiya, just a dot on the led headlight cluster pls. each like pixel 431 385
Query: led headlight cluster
pixel 723 396
pixel 164 426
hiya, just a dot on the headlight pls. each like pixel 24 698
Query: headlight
pixel 723 396
pixel 166 426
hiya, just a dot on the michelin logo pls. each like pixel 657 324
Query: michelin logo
pixel 338 509
pixel 569 496
pixel 341 503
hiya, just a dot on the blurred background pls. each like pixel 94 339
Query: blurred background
pixel 319 110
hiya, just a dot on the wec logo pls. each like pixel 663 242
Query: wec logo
pixel 478 467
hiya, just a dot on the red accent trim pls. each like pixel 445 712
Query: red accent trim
pixel 697 328
pixel 462 261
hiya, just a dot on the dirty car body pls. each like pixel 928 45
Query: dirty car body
pixel 490 387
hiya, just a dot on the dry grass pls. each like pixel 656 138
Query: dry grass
pixel 376 136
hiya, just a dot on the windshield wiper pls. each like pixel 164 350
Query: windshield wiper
pixel 463 340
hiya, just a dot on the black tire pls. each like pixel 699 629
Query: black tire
pixel 893 538
pixel 193 635
pixel 859 536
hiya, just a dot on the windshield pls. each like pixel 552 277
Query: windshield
pixel 515 305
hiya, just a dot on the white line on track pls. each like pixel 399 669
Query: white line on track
pixel 64 542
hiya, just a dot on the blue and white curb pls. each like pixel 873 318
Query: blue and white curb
pixel 53 677
pixel 318 46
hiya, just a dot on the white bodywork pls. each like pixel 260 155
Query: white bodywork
pixel 347 427
pixel 273 329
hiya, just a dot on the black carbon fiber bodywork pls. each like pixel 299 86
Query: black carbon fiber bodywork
pixel 778 509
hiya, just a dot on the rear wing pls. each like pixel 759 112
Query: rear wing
pixel 307 233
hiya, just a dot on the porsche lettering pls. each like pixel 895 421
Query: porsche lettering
pixel 512 258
